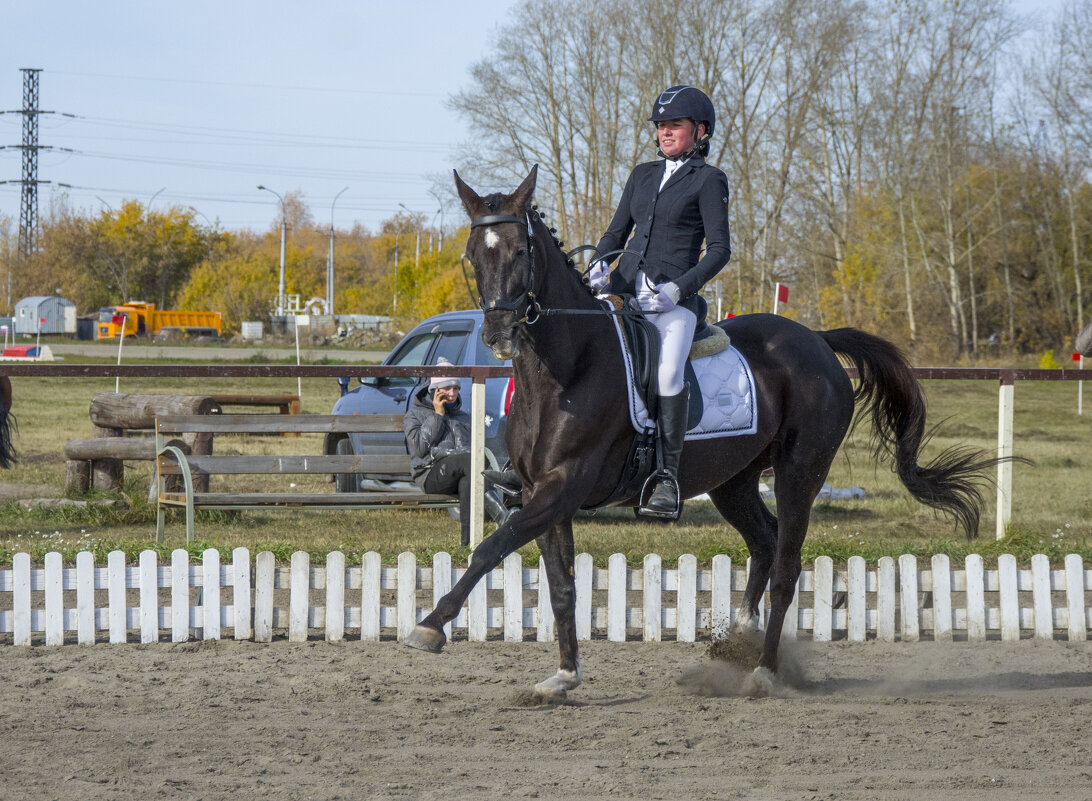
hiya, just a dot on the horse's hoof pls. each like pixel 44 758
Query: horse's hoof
pixel 747 622
pixel 556 688
pixel 425 638
pixel 760 684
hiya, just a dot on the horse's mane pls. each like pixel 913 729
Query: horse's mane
pixel 557 248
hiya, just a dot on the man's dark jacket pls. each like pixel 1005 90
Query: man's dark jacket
pixel 668 228
pixel 430 436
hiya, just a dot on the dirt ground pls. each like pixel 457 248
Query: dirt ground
pixel 227 720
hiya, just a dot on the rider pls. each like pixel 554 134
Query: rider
pixel 670 207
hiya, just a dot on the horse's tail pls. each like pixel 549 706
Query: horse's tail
pixel 8 426
pixel 952 483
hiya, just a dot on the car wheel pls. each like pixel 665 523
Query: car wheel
pixel 345 482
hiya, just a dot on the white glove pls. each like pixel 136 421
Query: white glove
pixel 666 297
pixel 599 275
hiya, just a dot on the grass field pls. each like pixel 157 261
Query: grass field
pixel 1052 502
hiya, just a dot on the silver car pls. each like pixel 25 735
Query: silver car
pixel 455 336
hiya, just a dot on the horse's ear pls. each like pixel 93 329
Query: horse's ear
pixel 526 191
pixel 471 201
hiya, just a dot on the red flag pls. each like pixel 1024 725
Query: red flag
pixel 42 320
pixel 118 319
pixel 782 293
pixel 1076 357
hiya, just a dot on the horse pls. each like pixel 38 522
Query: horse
pixel 569 432
pixel 7 425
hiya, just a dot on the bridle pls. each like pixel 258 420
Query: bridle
pixel 532 309
pixel 527 302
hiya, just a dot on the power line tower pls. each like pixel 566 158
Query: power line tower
pixel 28 206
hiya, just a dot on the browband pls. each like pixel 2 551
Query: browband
pixel 493 219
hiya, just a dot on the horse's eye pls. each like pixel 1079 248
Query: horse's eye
pixel 521 251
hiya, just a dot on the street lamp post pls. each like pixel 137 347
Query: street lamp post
pixel 417 256
pixel 330 259
pixel 284 237
pixel 440 211
pixel 153 197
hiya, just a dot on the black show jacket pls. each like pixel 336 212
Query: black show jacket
pixel 669 226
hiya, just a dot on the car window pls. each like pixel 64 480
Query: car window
pixel 450 347
pixel 412 354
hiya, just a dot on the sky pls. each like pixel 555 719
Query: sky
pixel 195 104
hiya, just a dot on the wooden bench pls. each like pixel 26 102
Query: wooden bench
pixel 172 461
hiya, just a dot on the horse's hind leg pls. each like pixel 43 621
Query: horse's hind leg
pixel 800 476
pixel 739 502
pixel 559 556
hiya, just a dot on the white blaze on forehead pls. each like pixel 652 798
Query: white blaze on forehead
pixel 491 239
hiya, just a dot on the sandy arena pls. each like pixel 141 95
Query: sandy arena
pixel 227 720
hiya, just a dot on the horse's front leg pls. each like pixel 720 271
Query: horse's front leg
pixel 523 526
pixel 558 555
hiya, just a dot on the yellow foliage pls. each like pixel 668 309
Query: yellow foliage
pixel 855 295
pixel 241 287
pixel 1048 362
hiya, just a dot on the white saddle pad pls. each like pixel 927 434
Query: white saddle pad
pixel 727 391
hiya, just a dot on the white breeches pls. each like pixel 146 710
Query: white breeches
pixel 676 329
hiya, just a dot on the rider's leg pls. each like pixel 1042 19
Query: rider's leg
pixel 672 430
pixel 676 329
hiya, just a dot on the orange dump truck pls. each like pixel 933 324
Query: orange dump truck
pixel 143 319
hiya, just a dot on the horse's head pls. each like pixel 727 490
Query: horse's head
pixel 500 250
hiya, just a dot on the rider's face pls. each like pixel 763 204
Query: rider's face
pixel 675 136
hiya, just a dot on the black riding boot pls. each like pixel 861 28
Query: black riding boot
pixel 495 508
pixel 664 500
pixel 504 480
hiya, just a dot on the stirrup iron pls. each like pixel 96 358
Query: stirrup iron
pixel 644 510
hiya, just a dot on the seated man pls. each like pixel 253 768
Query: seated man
pixel 438 434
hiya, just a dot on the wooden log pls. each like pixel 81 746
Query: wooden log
pixel 108 474
pixel 77 475
pixel 113 410
pixel 132 448
pixel 201 445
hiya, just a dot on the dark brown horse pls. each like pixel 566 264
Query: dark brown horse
pixel 569 433
pixel 7 424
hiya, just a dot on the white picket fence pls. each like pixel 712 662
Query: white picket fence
pixel 888 601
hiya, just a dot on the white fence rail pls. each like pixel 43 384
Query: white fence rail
pixel 180 601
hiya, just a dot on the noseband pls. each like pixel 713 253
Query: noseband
pixel 527 302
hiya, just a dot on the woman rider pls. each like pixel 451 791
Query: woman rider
pixel 670 207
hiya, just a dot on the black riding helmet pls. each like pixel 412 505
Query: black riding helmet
pixel 686 102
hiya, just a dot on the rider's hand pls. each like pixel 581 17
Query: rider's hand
pixel 666 297
pixel 438 404
pixel 599 275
